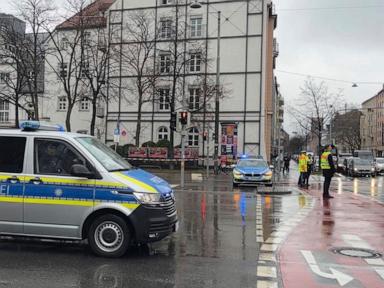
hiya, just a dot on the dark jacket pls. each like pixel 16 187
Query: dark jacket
pixel 330 172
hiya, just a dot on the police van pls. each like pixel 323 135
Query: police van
pixel 55 184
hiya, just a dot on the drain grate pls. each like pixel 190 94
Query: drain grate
pixel 357 252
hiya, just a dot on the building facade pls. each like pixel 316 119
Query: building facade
pixel 192 33
pixel 372 124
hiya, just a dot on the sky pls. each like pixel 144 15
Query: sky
pixel 324 38
pixel 336 39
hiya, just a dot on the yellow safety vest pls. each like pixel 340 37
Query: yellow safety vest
pixel 324 163
pixel 303 161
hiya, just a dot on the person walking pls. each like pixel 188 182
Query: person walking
pixel 303 159
pixel 287 160
pixel 328 167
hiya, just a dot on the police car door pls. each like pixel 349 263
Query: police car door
pixel 55 202
pixel 12 154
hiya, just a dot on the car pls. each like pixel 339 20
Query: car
pixel 252 171
pixel 379 165
pixel 361 167
pixel 63 185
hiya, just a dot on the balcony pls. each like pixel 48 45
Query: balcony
pixel 275 48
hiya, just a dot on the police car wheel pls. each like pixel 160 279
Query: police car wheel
pixel 109 236
pixel 235 184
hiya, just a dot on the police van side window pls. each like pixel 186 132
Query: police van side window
pixel 12 150
pixel 55 157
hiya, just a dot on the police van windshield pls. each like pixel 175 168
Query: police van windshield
pixel 105 155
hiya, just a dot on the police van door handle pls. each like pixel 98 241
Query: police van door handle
pixel 13 179
pixel 36 180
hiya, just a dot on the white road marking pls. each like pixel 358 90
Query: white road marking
pixel 266 271
pixel 340 277
pixel 197 177
pixel 356 242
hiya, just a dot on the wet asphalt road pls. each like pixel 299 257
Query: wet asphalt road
pixel 214 247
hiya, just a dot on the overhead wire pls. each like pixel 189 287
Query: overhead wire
pixel 329 79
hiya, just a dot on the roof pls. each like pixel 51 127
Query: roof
pixel 92 16
pixel 19 132
pixel 373 97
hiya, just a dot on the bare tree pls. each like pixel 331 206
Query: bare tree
pixel 315 108
pixel 66 56
pixel 37 15
pixel 138 57
pixel 12 78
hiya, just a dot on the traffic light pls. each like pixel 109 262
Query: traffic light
pixel 173 121
pixel 183 117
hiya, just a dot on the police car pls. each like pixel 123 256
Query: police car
pixel 252 170
pixel 71 186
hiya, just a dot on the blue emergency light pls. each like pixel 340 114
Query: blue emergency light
pixel 36 125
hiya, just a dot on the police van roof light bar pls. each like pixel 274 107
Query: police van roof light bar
pixel 36 125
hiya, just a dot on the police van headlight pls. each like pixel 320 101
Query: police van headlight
pixel 147 198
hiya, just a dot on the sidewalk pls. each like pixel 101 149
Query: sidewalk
pixel 306 258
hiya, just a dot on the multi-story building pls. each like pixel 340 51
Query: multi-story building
pixel 10 26
pixel 372 124
pixel 246 70
pixel 21 70
pixel 76 68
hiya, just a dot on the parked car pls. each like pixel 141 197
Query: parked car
pixel 379 165
pixel 361 167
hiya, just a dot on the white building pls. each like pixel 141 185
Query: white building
pixel 242 71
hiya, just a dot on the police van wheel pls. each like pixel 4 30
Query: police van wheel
pixel 109 236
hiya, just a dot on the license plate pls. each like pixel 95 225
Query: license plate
pixel 253 178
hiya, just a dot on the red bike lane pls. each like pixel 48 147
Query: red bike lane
pixel 307 258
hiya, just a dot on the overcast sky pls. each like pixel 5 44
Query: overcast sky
pixel 338 39
pixel 338 43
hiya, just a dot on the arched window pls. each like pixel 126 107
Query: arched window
pixel 193 137
pixel 163 133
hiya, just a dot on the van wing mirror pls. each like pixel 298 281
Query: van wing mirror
pixel 80 170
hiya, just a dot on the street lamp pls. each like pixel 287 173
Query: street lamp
pixel 196 5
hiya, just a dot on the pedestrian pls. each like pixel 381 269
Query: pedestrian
pixel 287 160
pixel 309 170
pixel 328 167
pixel 303 159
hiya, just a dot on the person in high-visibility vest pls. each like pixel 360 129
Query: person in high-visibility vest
pixel 328 167
pixel 303 166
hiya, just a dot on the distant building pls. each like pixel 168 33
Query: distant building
pixel 372 124
pixel 312 138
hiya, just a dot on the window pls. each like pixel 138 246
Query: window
pixel 12 154
pixel 165 63
pixel 84 69
pixel 62 104
pixel 163 133
pixel 64 43
pixel 195 62
pixel 63 70
pixel 84 104
pixel 164 99
pixel 86 37
pixel 165 28
pixel 4 78
pixel 196 26
pixel 4 111
pixel 193 137
pixel 166 2
pixel 55 157
pixel 194 98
